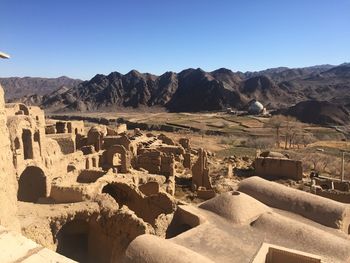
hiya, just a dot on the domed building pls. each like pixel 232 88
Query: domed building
pixel 255 107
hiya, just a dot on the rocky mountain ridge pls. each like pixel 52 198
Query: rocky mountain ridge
pixel 194 90
pixel 16 87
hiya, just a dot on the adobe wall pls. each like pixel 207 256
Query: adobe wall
pixel 151 161
pixel 274 168
pixel 8 185
pixel 65 141
pixel 200 172
pixel 66 194
pixel 122 155
pixel 89 176
pixel 343 197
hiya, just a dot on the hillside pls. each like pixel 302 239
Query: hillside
pixel 20 87
pixel 194 90
pixel 318 112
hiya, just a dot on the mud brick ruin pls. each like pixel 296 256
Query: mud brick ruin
pixel 106 194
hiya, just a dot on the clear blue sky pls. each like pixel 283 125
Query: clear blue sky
pixel 80 38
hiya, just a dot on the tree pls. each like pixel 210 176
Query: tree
pixel 304 139
pixel 276 123
pixel 322 163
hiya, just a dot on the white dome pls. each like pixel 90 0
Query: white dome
pixel 256 107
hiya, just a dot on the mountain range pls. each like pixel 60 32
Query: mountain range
pixel 16 87
pixel 190 90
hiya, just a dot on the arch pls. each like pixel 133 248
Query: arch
pixel 71 167
pixel 117 156
pixel 73 240
pixel 27 144
pixel 24 108
pixel 119 194
pixel 94 162
pixel 31 184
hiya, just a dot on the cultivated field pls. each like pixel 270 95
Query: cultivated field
pixel 227 135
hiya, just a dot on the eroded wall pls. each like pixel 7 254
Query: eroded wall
pixel 8 185
pixel 275 168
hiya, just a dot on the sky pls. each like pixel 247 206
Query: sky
pixel 80 38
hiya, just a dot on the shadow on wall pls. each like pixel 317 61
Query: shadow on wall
pixel 31 184
pixel 73 240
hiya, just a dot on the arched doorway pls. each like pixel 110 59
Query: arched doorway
pixel 119 196
pixel 73 240
pixel 27 144
pixel 31 184
pixel 24 108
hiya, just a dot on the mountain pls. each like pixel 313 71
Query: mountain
pixel 318 112
pixel 190 90
pixel 194 90
pixel 19 87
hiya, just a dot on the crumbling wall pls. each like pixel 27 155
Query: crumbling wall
pixel 171 149
pixel 65 141
pixel 8 185
pixel 67 194
pixel 27 140
pixel 150 161
pixel 167 165
pixel 37 114
pixel 110 235
pixel 343 197
pixel 146 207
pixel 76 127
pixel 89 176
pixel 119 157
pixel 16 109
pixel 276 168
pixel 166 140
pixel 185 143
pixel 187 160
pixel 92 232
pixel 95 136
pixel 200 172
pixel 156 162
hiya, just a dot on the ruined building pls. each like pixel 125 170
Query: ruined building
pixel 106 194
